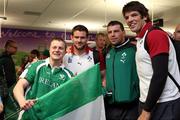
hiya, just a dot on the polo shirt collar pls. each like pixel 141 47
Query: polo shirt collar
pixel 87 49
pixel 47 62
pixel 122 44
pixel 144 29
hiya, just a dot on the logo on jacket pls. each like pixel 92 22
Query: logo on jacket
pixel 123 57
pixel 108 56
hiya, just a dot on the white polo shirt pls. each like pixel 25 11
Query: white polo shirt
pixel 78 63
pixel 145 72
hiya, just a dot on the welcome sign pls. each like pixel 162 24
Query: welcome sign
pixel 33 39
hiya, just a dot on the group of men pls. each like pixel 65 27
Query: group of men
pixel 132 75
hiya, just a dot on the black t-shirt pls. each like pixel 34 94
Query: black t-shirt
pixel 8 69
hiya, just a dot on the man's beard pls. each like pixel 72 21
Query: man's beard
pixel 81 48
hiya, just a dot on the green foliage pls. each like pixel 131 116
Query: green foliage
pixel 18 57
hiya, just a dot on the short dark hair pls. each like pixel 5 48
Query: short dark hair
pixel 35 52
pixel 136 6
pixel 112 23
pixel 59 39
pixel 80 28
pixel 8 43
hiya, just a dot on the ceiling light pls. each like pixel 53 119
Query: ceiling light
pixel 3 18
pixel 33 13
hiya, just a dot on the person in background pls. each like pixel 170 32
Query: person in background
pixel 101 39
pixel 42 77
pixel 177 43
pixel 45 54
pixel 33 57
pixel 101 48
pixel 7 62
pixel 7 71
pixel 24 61
pixel 155 57
pixel 122 83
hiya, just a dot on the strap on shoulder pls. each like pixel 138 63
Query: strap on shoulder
pixel 149 30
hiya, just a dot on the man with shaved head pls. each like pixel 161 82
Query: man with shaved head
pixel 177 33
pixel 177 43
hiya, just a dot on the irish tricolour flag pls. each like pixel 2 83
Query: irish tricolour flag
pixel 78 99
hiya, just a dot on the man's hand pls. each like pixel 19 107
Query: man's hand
pixel 144 115
pixel 27 104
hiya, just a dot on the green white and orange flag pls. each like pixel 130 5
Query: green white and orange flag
pixel 78 99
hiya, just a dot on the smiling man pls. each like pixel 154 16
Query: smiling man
pixel 42 77
pixel 80 57
pixel 155 57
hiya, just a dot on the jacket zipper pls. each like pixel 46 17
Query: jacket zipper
pixel 114 77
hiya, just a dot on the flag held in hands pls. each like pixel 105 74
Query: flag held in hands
pixel 78 99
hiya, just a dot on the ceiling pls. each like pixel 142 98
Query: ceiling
pixel 94 14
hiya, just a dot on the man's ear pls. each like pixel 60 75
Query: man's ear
pixel 71 37
pixel 124 33
pixel 145 18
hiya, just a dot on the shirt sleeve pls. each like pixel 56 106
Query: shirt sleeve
pixel 157 42
pixel 31 73
pixel 158 81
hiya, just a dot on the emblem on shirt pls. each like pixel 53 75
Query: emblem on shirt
pixel 48 73
pixel 123 57
pixel 62 77
pixel 108 56
pixel 69 60
pixel 89 58
pixel 79 63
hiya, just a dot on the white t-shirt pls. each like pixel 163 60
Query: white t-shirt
pixel 78 63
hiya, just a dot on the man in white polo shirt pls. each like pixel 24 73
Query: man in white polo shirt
pixel 80 57
pixel 155 59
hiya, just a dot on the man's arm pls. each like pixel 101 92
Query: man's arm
pixel 160 72
pixel 158 80
pixel 19 94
